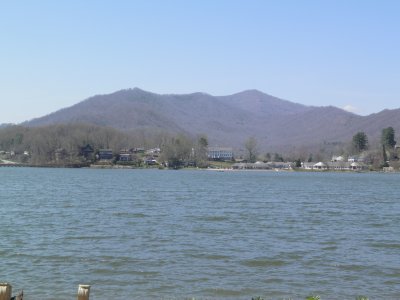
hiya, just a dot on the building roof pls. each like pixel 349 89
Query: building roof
pixel 219 149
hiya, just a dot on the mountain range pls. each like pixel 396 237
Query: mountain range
pixel 227 120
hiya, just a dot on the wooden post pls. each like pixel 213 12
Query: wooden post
pixel 83 292
pixel 5 291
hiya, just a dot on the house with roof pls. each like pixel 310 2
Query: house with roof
pixel 150 161
pixel 338 158
pixel 307 165
pixel 105 154
pixel 357 166
pixel 355 158
pixel 125 155
pixel 320 166
pixel 87 152
pixel 335 166
pixel 338 165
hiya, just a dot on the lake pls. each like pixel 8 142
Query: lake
pixel 159 234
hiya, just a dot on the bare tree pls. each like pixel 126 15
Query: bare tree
pixel 200 152
pixel 251 148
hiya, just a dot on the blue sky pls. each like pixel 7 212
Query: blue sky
pixel 54 54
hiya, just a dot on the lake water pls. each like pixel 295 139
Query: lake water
pixel 151 234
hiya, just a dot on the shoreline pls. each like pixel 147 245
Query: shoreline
pixel 125 167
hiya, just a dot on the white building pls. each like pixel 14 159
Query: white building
pixel 220 153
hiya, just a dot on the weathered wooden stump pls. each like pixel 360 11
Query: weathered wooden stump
pixel 5 291
pixel 83 292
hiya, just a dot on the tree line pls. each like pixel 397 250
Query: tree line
pixel 378 155
pixel 387 143
pixel 38 145
pixel 178 150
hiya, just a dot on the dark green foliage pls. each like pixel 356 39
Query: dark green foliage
pixel 360 141
pixel 387 137
pixel 298 163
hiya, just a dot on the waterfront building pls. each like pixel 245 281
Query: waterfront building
pixel 105 154
pixel 220 153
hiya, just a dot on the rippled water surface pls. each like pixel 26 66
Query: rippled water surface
pixel 150 234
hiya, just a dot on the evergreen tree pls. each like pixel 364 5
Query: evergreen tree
pixel 298 163
pixel 360 141
pixel 387 137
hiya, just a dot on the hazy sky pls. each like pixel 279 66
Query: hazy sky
pixel 54 54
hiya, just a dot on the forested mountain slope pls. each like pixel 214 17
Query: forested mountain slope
pixel 226 120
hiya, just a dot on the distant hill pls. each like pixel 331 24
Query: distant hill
pixel 227 120
pixel 4 125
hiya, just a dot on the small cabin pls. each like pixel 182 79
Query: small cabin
pixel 105 154
pixel 125 157
pixel 87 152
